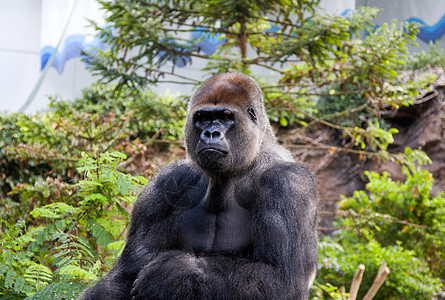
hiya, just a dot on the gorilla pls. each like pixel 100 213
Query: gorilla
pixel 236 219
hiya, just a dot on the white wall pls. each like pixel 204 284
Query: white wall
pixel 337 6
pixel 19 51
pixel 28 26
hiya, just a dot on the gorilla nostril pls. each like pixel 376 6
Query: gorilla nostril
pixel 215 134
pixel 212 134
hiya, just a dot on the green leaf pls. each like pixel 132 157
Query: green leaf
pixel 55 210
pixel 283 122
pixel 59 291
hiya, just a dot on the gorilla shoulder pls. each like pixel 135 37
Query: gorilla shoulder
pixel 170 187
pixel 290 181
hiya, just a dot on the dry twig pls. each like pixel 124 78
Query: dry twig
pixel 356 281
pixel 378 281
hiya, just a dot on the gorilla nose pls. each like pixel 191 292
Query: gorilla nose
pixel 211 135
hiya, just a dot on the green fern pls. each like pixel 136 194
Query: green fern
pixel 74 271
pixel 12 286
pixel 38 275
pixel 55 210
pixel 78 240
pixel 58 291
pixel 103 237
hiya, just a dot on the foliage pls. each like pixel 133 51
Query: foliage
pixel 77 241
pixel 403 211
pixel 138 113
pixel 321 291
pixel 42 149
pixel 409 276
pixel 434 57
pixel 312 57
pixel 333 104
pixel 399 222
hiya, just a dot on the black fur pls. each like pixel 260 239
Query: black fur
pixel 217 225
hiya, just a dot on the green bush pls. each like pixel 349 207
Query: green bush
pixel 399 222
pixel 143 114
pixel 79 237
pixel 42 149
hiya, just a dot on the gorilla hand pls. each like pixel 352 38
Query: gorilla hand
pixel 177 273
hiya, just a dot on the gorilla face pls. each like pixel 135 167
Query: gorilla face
pixel 221 141
pixel 213 125
pixel 222 130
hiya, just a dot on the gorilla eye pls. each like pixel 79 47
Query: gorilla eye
pixel 252 114
pixel 202 117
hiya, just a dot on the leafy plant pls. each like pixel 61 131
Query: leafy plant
pixel 399 222
pixel 433 57
pixel 80 237
pixel 403 211
pixel 42 149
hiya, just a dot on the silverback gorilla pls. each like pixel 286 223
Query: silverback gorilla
pixel 235 220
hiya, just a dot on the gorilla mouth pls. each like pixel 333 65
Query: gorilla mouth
pixel 212 150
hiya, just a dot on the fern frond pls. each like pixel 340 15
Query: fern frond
pixel 19 285
pixel 74 271
pixel 116 247
pixel 11 275
pixel 38 274
pixel 59 291
pixel 111 225
pixel 103 236
pixel 55 210
pixel 94 197
pixel 11 284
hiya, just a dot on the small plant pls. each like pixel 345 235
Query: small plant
pixel 434 57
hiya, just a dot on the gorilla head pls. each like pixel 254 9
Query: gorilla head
pixel 226 124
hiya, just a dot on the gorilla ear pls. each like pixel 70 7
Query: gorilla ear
pixel 252 114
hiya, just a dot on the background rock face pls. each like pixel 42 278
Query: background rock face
pixel 421 126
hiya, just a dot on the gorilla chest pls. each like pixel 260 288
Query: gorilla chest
pixel 226 231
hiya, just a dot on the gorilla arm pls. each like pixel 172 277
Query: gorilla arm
pixel 285 237
pixel 149 234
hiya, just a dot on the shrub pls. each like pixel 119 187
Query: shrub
pixel 78 240
pixel 399 222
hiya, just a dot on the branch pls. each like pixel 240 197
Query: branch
pixel 193 81
pixel 276 21
pixel 334 115
pixel 328 228
pixel 333 149
pixel 342 292
pixel 383 218
pixel 251 62
pixel 175 82
pixel 378 281
pixel 356 281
